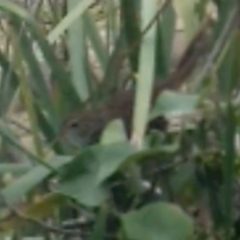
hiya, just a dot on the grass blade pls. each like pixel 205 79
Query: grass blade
pixel 146 73
pixel 77 53
pixel 68 20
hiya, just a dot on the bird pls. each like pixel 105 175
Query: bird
pixel 85 127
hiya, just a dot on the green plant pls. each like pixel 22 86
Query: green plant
pixel 174 184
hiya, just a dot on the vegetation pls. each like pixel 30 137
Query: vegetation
pixel 81 73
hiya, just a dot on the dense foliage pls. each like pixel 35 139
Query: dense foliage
pixel 105 134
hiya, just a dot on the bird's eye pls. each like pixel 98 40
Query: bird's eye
pixel 73 124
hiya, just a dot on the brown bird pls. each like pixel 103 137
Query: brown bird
pixel 85 127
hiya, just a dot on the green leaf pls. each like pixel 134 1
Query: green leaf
pixel 184 174
pixel 171 103
pixel 66 92
pixel 13 141
pixel 112 71
pixel 130 10
pixel 146 73
pixel 153 153
pixel 68 20
pixel 23 46
pixel 228 164
pixel 165 36
pixel 158 221
pixel 48 130
pixel 9 84
pixel 94 37
pixel 83 177
pixel 77 53
pixel 228 68
pixel 100 227
pixel 85 190
pixel 101 161
pixel 15 168
pixel 224 10
pixel 186 10
pixel 15 191
pixel 114 132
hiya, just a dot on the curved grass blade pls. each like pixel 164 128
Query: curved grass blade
pixel 48 131
pixel 15 191
pixel 112 71
pixel 68 20
pixel 95 40
pixel 28 99
pixel 77 53
pixel 13 141
pixel 14 168
pixel 37 80
pixel 68 97
pixel 165 35
pixel 130 10
pixel 228 142
pixel 9 84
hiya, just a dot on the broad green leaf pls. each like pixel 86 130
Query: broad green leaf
pixel 171 103
pixel 104 160
pixel 112 158
pixel 83 178
pixel 114 132
pixel 15 168
pixel 85 190
pixel 158 221
pixel 100 160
